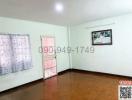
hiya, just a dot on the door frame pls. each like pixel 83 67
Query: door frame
pixel 43 57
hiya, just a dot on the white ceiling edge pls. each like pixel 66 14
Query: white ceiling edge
pixel 74 11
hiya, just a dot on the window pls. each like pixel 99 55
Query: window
pixel 5 54
pixel 15 53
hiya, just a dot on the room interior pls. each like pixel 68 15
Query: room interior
pixel 70 23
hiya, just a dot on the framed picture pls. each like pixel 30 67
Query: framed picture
pixel 102 37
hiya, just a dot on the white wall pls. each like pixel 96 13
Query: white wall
pixel 116 58
pixel 35 30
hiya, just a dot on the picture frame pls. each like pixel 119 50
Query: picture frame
pixel 102 37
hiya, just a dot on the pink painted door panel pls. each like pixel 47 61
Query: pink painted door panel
pixel 50 72
pixel 49 63
pixel 48 46
pixel 49 57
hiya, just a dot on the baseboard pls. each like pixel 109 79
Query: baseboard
pixel 93 72
pixel 65 71
pixel 99 73
pixel 22 86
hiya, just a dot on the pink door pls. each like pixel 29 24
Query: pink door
pixel 49 56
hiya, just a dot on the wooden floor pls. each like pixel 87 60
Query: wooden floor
pixel 69 86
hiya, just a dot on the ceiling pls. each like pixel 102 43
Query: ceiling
pixel 75 11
